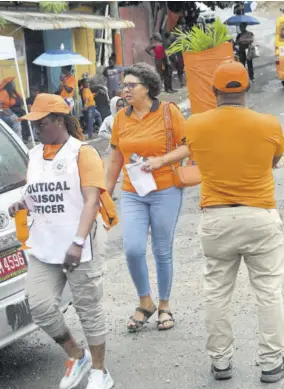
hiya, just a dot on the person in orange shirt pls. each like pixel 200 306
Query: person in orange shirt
pixel 235 149
pixel 65 184
pixel 140 129
pixel 11 104
pixel 9 97
pixel 91 114
pixel 67 86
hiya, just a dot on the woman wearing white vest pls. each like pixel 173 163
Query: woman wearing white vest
pixel 64 181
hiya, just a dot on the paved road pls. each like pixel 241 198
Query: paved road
pixel 175 359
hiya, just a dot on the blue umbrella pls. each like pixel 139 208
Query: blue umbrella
pixel 59 58
pixel 238 19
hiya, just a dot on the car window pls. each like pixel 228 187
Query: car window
pixel 13 162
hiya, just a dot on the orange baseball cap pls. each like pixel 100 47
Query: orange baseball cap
pixel 6 81
pixel 45 104
pixel 231 77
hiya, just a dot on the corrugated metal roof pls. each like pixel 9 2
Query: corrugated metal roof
pixel 50 21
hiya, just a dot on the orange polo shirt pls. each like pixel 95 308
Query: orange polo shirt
pixel 147 137
pixel 234 149
pixel 71 82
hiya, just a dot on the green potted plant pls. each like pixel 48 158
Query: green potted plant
pixel 203 50
pixel 53 6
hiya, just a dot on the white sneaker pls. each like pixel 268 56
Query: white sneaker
pixel 76 370
pixel 100 380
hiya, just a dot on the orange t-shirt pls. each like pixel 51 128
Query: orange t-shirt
pixel 88 98
pixel 234 149
pixel 147 137
pixel 90 165
pixel 71 82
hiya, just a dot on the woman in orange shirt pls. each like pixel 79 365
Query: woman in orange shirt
pixel 140 129
pixel 11 105
pixel 65 184
pixel 9 97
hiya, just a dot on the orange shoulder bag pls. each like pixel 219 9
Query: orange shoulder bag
pixel 183 176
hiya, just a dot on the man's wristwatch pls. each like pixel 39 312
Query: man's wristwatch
pixel 78 241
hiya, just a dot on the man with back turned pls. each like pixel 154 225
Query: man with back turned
pixel 235 149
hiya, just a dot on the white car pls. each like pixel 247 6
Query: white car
pixel 15 316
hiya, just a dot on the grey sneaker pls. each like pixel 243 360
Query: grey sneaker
pixel 272 376
pixel 222 374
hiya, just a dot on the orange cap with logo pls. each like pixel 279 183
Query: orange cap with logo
pixel 45 104
pixel 231 77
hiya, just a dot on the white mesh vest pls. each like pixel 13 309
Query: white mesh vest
pixel 53 193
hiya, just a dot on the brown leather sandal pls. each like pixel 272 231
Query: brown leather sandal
pixel 162 322
pixel 139 324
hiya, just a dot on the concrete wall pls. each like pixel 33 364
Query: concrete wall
pixel 135 40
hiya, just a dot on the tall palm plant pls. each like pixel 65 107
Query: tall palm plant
pixel 53 6
pixel 198 40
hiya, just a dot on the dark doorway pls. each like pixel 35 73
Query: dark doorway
pixel 34 48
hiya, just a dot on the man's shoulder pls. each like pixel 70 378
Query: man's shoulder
pixel 199 118
pixel 210 115
pixel 263 117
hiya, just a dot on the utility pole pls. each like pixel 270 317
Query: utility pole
pixel 117 36
pixel 147 5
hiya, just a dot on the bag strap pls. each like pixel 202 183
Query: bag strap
pixel 168 126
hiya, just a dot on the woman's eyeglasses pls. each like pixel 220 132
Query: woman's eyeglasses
pixel 130 85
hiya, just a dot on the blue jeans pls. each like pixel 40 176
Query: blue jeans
pixel 92 115
pixel 160 210
pixel 8 120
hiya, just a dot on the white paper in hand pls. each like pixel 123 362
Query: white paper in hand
pixel 143 182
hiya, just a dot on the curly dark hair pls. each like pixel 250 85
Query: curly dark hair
pixel 147 76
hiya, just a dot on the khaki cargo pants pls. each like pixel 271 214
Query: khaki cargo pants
pixel 256 235
pixel 45 285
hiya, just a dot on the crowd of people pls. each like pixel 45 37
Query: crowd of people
pixel 95 99
pixel 239 219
